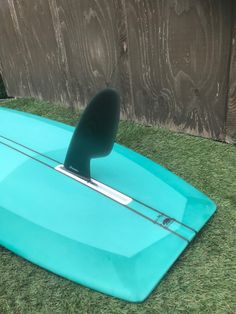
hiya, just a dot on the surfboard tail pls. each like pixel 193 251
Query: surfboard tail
pixel 95 134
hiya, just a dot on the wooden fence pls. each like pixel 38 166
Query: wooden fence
pixel 173 61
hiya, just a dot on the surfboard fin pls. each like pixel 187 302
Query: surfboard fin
pixel 95 134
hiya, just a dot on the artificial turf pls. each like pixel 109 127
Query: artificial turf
pixel 203 280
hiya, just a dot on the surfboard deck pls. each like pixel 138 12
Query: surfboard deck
pixel 119 240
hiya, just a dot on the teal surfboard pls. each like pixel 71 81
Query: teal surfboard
pixel 118 231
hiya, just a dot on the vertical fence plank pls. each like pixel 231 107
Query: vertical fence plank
pixel 12 52
pixel 179 52
pixel 231 113
pixel 91 43
pixel 123 61
pixel 35 64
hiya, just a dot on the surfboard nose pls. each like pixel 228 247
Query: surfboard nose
pixel 95 134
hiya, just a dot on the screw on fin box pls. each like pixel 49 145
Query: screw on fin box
pixel 95 134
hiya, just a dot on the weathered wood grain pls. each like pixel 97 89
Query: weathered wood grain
pixel 123 62
pixel 179 52
pixel 231 112
pixel 168 58
pixel 90 40
pixel 12 52
pixel 31 66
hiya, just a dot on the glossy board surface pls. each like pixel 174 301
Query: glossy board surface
pixel 72 230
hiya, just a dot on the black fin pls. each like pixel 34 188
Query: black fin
pixel 95 134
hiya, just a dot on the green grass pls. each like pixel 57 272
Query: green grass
pixel 203 280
